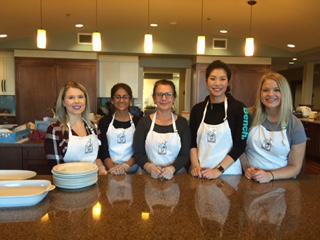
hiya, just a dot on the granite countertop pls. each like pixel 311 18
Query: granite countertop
pixel 138 207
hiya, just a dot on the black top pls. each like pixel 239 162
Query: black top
pixel 103 127
pixel 237 117
pixel 141 135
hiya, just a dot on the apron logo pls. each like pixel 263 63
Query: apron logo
pixel 211 136
pixel 88 147
pixel 121 138
pixel 266 145
pixel 162 148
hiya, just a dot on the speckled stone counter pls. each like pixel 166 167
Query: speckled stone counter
pixel 138 207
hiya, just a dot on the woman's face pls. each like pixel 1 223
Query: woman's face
pixel 164 97
pixel 270 95
pixel 74 101
pixel 121 100
pixel 217 83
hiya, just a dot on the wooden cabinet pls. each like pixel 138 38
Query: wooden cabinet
pixel 38 82
pixel 313 142
pixel 244 82
pixel 27 156
pixel 10 158
pixel 7 76
pixel 115 69
pixel 34 159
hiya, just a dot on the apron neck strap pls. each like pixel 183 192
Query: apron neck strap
pixel 225 109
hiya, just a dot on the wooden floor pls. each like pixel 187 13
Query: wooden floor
pixel 312 166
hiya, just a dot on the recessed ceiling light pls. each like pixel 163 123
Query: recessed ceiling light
pixel 3 35
pixel 223 31
pixel 291 63
pixel 290 45
pixel 173 23
pixel 153 25
pixel 79 25
pixel 294 59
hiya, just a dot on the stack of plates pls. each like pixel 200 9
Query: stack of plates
pixel 75 175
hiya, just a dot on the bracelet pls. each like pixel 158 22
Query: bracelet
pixel 271 175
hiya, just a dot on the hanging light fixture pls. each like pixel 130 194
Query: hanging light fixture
pixel 249 46
pixel 201 41
pixel 41 33
pixel 96 36
pixel 148 41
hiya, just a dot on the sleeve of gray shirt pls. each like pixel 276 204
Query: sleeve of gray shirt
pixel 295 131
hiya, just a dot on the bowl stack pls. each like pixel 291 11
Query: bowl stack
pixel 75 175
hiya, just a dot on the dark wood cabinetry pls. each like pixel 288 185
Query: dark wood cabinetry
pixel 313 143
pixel 10 158
pixel 27 156
pixel 38 82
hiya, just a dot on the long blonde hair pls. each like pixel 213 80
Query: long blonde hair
pixel 61 112
pixel 285 105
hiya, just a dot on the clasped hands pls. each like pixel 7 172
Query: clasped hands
pixel 119 169
pixel 259 175
pixel 160 172
pixel 209 173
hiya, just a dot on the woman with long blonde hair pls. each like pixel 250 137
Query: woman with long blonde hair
pixel 277 140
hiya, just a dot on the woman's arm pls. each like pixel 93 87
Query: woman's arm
pixel 139 139
pixel 295 161
pixel 195 164
pixel 55 145
pixel 213 173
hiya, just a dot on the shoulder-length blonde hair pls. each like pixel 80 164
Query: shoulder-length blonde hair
pixel 285 105
pixel 61 112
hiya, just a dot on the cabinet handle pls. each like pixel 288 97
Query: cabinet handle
pixel 2 90
pixel 4 85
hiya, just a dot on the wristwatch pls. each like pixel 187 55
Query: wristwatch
pixel 221 169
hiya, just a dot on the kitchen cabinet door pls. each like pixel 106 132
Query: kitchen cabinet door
pixel 10 157
pixel 7 75
pixel 82 71
pixel 36 89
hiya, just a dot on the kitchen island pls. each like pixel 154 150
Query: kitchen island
pixel 138 207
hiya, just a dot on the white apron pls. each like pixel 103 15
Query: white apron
pixel 162 148
pixel 82 149
pixel 267 150
pixel 214 142
pixel 120 142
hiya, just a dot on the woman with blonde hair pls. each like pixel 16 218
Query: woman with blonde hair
pixel 277 140
pixel 72 138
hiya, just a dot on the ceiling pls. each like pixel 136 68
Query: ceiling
pixel 275 22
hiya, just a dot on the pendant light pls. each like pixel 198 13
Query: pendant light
pixel 249 46
pixel 96 36
pixel 41 33
pixel 148 41
pixel 201 40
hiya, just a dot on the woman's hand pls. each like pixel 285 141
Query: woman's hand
pixel 120 169
pixel 153 170
pixel 167 172
pixel 196 172
pixel 262 176
pixel 250 172
pixel 211 173
pixel 102 170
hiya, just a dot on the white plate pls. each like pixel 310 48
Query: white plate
pixel 16 174
pixel 74 186
pixel 23 193
pixel 75 168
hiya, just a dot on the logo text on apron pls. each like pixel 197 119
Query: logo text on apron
pixel 88 147
pixel 121 138
pixel 162 148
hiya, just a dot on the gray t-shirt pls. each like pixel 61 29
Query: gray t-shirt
pixel 295 130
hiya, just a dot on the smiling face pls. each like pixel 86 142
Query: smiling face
pixel 74 101
pixel 121 100
pixel 217 84
pixel 164 97
pixel 270 95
